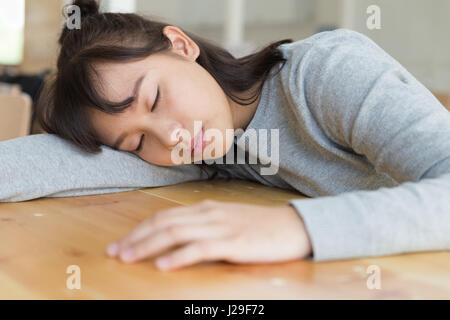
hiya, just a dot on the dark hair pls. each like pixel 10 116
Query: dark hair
pixel 61 108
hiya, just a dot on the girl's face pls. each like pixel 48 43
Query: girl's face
pixel 171 92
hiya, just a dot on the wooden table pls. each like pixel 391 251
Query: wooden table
pixel 40 239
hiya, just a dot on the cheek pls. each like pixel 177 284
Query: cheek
pixel 198 97
pixel 157 154
pixel 107 127
pixel 205 107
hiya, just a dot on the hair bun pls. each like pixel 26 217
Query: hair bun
pixel 87 7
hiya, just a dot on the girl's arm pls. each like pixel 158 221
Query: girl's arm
pixel 45 165
pixel 365 100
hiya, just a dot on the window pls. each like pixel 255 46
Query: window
pixel 12 14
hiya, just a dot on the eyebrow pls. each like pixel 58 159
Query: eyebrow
pixel 137 86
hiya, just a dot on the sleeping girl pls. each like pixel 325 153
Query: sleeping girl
pixel 356 132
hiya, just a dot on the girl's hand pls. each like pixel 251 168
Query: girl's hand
pixel 213 230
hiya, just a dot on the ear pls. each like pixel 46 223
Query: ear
pixel 181 43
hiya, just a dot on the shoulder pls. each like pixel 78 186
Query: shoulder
pixel 329 39
pixel 330 73
pixel 324 52
pixel 331 47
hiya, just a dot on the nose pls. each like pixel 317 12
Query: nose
pixel 169 134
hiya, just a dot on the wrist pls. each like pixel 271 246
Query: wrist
pixel 305 238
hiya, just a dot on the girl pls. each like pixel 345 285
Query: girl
pixel 357 132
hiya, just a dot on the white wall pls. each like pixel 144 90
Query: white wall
pixel 415 32
pixel 198 12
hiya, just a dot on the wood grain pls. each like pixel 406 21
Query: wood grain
pixel 42 237
pixel 443 98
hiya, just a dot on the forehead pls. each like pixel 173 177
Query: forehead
pixel 115 81
pixel 113 75
pixel 106 127
pixel 111 70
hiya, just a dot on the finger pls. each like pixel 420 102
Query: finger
pixel 159 221
pixel 168 237
pixel 205 250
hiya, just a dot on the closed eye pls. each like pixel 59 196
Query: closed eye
pixel 156 100
pixel 140 144
pixel 155 104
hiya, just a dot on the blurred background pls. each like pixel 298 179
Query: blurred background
pixel 415 32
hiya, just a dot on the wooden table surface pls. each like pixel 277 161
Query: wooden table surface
pixel 40 239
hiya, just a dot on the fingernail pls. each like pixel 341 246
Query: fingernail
pixel 127 255
pixel 112 249
pixel 162 263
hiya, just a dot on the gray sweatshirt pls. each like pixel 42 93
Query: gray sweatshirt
pixel 358 133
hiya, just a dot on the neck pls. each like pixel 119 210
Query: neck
pixel 243 114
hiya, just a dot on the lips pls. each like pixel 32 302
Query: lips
pixel 197 143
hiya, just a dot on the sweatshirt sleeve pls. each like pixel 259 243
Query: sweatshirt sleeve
pixel 363 99
pixel 45 165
